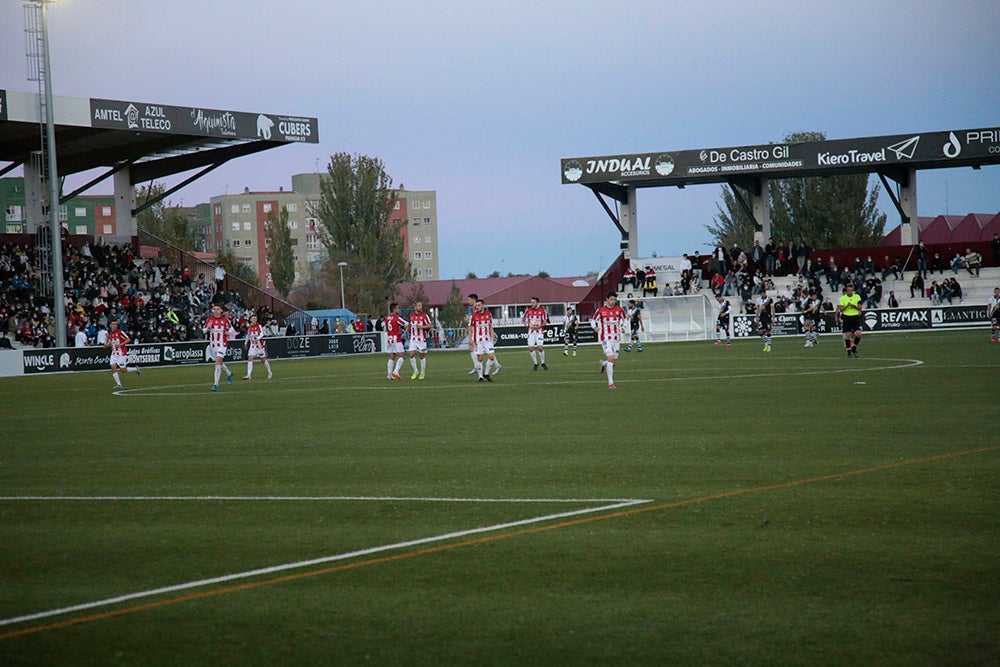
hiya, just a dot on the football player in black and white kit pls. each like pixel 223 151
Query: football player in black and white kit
pixel 722 321
pixel 570 327
pixel 811 314
pixel 994 310
pixel 634 312
pixel 764 318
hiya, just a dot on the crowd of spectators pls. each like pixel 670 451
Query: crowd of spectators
pixel 153 301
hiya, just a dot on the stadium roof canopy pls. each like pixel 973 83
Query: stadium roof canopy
pixel 151 140
pixel 897 157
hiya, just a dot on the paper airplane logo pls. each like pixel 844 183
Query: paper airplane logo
pixel 905 149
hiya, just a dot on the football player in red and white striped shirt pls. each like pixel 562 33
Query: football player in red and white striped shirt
pixel 420 324
pixel 481 338
pixel 609 322
pixel 535 318
pixel 220 331
pixel 117 340
pixel 255 347
pixel 394 328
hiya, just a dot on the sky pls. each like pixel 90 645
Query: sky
pixel 480 100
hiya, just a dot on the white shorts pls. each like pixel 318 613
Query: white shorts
pixel 119 360
pixel 394 347
pixel 536 338
pixel 610 347
pixel 257 352
pixel 218 352
pixel 418 346
pixel 485 347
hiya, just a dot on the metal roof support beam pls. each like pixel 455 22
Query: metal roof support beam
pixel 627 221
pixel 758 209
pixel 83 188
pixel 11 167
pixel 607 209
pixel 153 169
pixel 905 202
pixel 166 193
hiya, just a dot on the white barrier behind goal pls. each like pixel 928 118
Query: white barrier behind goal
pixel 678 318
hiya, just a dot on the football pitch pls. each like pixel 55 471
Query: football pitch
pixel 719 507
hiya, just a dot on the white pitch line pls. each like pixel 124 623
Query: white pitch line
pixel 308 563
pixel 135 392
pixel 330 498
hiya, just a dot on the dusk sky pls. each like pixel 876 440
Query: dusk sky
pixel 480 100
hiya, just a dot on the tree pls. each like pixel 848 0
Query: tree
pixel 417 293
pixel 355 201
pixel 162 220
pixel 543 274
pixel 833 212
pixel 471 276
pixel 826 212
pixel 280 257
pixel 495 274
pixel 236 268
pixel 453 315
pixel 732 224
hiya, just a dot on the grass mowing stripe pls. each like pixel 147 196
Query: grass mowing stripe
pixel 301 564
pixel 435 549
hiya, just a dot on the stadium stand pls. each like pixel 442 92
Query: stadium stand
pixel 156 302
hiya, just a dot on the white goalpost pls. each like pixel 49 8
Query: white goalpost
pixel 669 318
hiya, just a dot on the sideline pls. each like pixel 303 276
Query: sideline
pixel 613 511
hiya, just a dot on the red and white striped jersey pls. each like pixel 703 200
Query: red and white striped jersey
pixel 482 327
pixel 609 322
pixel 394 326
pixel 535 318
pixel 219 330
pixel 118 339
pixel 419 325
pixel 255 335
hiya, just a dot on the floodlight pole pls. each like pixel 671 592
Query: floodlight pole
pixel 342 265
pixel 58 297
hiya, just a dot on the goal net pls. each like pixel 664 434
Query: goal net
pixel 669 318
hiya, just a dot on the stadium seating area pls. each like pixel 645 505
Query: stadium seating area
pixel 689 316
pixel 154 301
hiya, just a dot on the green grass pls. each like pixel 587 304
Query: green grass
pixel 803 509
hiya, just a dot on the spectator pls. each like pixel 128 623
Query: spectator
pixel 718 283
pixel 890 266
pixel 324 328
pixel 757 255
pixel 833 275
pixel 721 257
pixel 771 256
pixel 696 268
pixel 917 285
pixel 972 260
pixel 893 302
pixel 921 255
pixel 339 326
pixel 995 245
pixel 628 279
pixel 938 263
pixel 934 293
pixel 956 262
pixel 649 284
